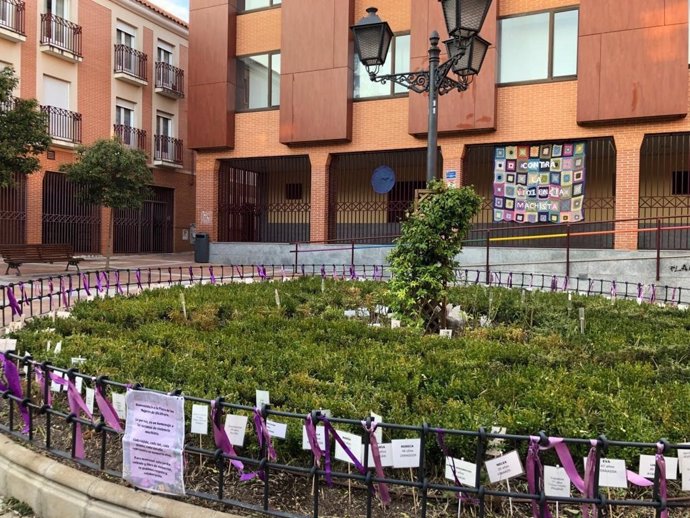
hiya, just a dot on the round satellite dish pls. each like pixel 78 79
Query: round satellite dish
pixel 383 179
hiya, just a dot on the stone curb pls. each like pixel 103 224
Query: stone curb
pixel 55 490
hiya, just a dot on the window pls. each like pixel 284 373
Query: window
pixel 164 53
pixel 258 82
pixel 164 125
pixel 293 191
pixel 57 7
pixel 538 47
pixel 398 57
pixel 124 115
pixel 681 183
pixel 250 5
pixel 56 92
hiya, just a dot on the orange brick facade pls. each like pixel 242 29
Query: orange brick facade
pixel 382 124
pixel 94 93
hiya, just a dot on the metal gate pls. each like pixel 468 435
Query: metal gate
pixel 599 202
pixel 356 211
pixel 148 229
pixel 264 199
pixel 13 212
pixel 66 219
pixel 665 190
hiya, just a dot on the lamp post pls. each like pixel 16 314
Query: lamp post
pixel 466 51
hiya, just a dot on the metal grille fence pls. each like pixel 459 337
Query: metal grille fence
pixel 170 78
pixel 13 212
pixel 63 124
pixel 167 149
pixel 12 15
pixel 130 61
pixel 148 229
pixel 60 33
pixel 131 137
pixel 66 219
pixel 426 486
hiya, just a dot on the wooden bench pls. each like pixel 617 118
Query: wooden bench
pixel 16 255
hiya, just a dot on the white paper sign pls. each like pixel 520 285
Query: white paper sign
pixel 63 314
pixel 466 472
pixel 406 453
pixel 612 473
pixel 354 444
pixel 378 433
pixel 504 467
pixel 58 347
pixel 556 482
pixel 200 419
pixel 446 333
pixel 78 383
pixel 684 460
pixel 8 344
pixel 385 454
pixel 236 428
pixel 686 481
pixel 90 395
pixel 320 438
pixel 278 430
pixel 119 405
pixel 648 466
pixel 395 323
pixel 262 398
pixel 56 387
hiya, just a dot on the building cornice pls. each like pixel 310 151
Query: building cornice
pixel 156 16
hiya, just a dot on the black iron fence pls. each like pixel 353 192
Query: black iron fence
pixel 32 407
pixel 170 78
pixel 131 137
pixel 12 15
pixel 13 212
pixel 167 149
pixel 63 124
pixel 131 61
pixel 60 33
pixel 148 229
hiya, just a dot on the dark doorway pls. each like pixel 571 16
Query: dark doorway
pixel 148 229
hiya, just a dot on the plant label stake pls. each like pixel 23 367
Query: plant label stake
pixel 522 297
pixel 277 298
pixel 570 302
pixel 184 305
pixel 582 321
pixel 323 285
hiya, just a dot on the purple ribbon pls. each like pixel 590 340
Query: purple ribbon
pixel 76 403
pixel 169 276
pixel 118 287
pixel 383 488
pixel 210 273
pixel 15 388
pixel 191 275
pixel 323 271
pixel 264 438
pixel 353 273
pixel 381 273
pixel 490 279
pixel 69 290
pixel 334 274
pixel 673 297
pixel 614 290
pixel 535 470
pixel 310 428
pixel 107 410
pixel 440 440
pixel 106 280
pixel 85 284
pixel 262 272
pixel 661 468
pixel 565 283
pixel 554 283
pixel 43 383
pixel 25 298
pixel 16 307
pixel 282 273
pixel 221 438
pixel 652 297
pixel 590 470
pixel 63 293
pixel 137 275
pixel 99 284
pixel 50 293
pixel 510 280
pixel 328 429
pixel 590 287
pixel 640 292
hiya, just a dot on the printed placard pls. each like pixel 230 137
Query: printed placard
pixel 504 467
pixel 262 398
pixel 354 444
pixel 275 429
pixel 685 477
pixel 406 453
pixel 236 429
pixel 684 459
pixel 612 473
pixel 58 347
pixel 320 438
pixel 200 419
pixel 63 314
pixel 556 482
pixel 466 472
pixel 56 387
pixel 89 399
pixel 378 433
pixel 78 383
pixel 119 405
pixel 8 344
pixel 385 454
pixel 395 323
pixel 648 466
pixel 446 333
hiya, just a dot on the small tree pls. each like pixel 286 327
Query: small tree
pixel 23 131
pixel 423 259
pixel 111 175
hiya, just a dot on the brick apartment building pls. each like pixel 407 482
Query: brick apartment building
pixel 100 68
pixel 288 129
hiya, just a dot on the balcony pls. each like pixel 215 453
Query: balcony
pixel 133 138
pixel 12 20
pixel 61 38
pixel 130 65
pixel 169 80
pixel 64 126
pixel 167 151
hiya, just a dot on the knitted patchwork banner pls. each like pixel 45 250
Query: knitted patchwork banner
pixel 539 184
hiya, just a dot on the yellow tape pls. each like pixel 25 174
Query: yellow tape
pixel 517 238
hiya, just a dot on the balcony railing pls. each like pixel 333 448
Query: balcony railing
pixel 169 79
pixel 63 124
pixel 167 150
pixel 8 105
pixel 134 138
pixel 60 33
pixel 130 61
pixel 12 15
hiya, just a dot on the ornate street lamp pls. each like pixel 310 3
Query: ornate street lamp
pixel 466 50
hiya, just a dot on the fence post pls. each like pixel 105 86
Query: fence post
pixel 658 250
pixel 488 251
pixel 567 252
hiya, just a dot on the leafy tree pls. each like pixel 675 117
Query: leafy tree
pixel 423 259
pixel 23 131
pixel 111 175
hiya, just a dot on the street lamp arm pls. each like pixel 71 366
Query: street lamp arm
pixel 419 81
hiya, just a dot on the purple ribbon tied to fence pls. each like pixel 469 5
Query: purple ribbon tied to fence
pixel 85 284
pixel 310 428
pixel 106 280
pixel 535 471
pixel 614 290
pixel 328 430
pixel 652 296
pixel 99 284
pixel 69 290
pixel 105 407
pixel 640 292
pixel 221 439
pixel 509 281
pixel 262 272
pixel 43 383
pixel 334 274
pixel 191 275
pixel 50 293
pixel 661 469
pixel 169 276
pixel 63 293
pixel 353 273
pixel 590 287
pixel 673 297
pixel 440 440
pixel 554 283
pixel 565 283
pixel 383 488
pixel 264 438
pixel 137 275
pixel 210 274
pixel 25 298
pixel 76 403
pixel 15 388
pixel 118 286
pixel 323 271
pixel 16 307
